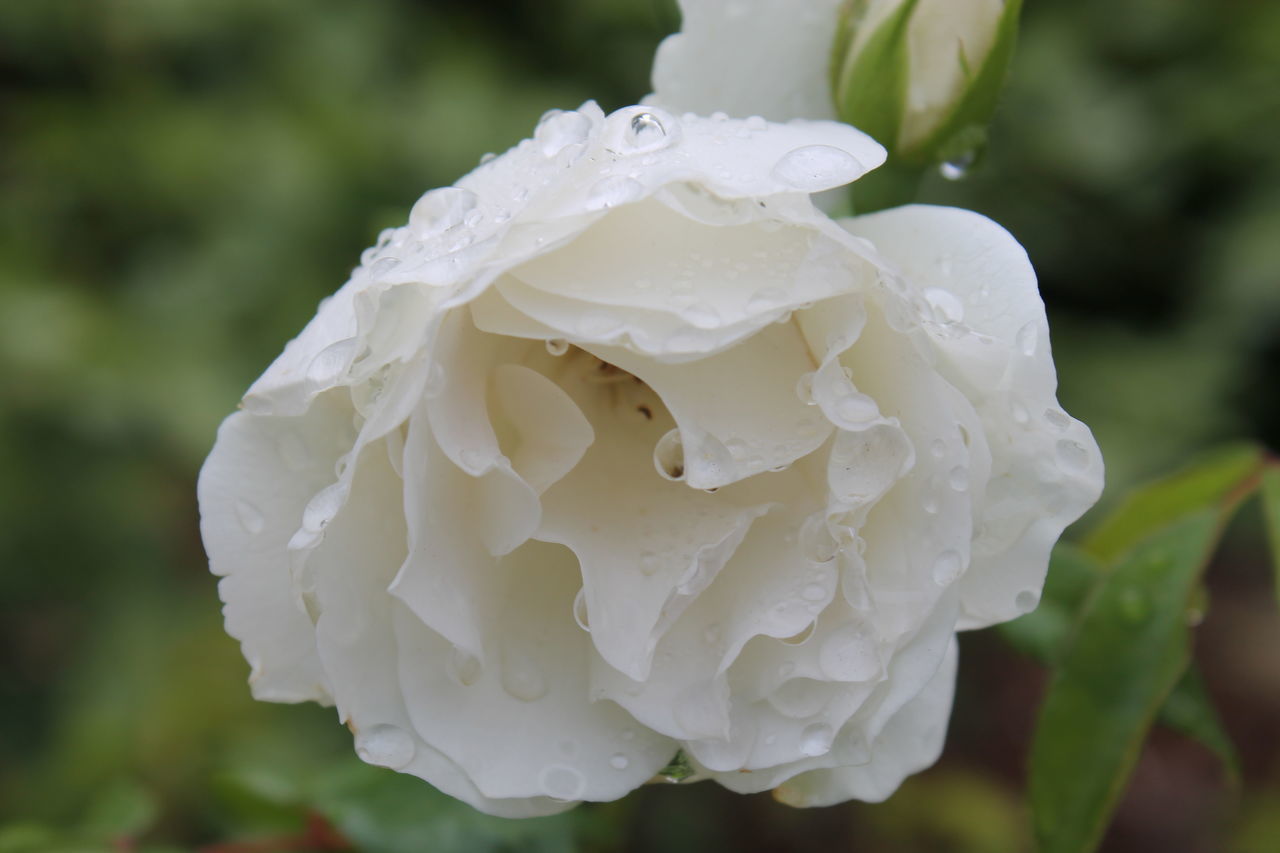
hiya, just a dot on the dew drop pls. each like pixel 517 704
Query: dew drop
pixel 649 563
pixel 1019 412
pixel 946 306
pixel 1073 454
pixel 816 541
pixel 435 382
pixel 929 503
pixel 668 456
pixel 938 448
pixel 816 739
pixel 618 761
pixel 856 408
pixel 1057 419
pixel 613 191
pixel 557 346
pixel 957 168
pixel 814 168
pixel 562 783
pixel 463 666
pixel 804 388
pixel 322 507
pixel 332 362
pixel 947 567
pixel 580 610
pixel 442 209
pixel 702 316
pixel 385 745
pixel 558 130
pixel 1027 339
pixel 473 460
pixel 959 478
pixel 522 680
pixel 646 132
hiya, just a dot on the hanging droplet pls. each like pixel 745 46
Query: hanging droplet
pixel 957 168
pixel 385 745
pixel 668 456
pixel 814 168
pixel 557 346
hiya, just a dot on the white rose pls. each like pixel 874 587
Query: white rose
pixel 627 376
pixel 774 58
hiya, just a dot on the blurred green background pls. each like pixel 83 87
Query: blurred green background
pixel 182 180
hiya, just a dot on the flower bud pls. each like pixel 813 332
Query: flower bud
pixel 922 76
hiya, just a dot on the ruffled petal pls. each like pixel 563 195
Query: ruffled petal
pixel 520 724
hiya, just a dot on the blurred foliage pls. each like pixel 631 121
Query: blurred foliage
pixel 182 180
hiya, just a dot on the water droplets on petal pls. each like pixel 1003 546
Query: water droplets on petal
pixel 646 132
pixel 849 654
pixel 947 567
pixel 332 362
pixel 439 210
pixel 559 129
pixel 463 667
pixel 813 168
pixel 816 739
pixel 1074 455
pixel 614 191
pixel 385 745
pixel 562 783
pixel 1027 339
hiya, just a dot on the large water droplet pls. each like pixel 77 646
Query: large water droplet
pixel 947 307
pixel 668 456
pixel 618 761
pixel 947 567
pixel 332 362
pixel 558 130
pixel 557 346
pixel 855 408
pixel 322 507
pixel 1073 454
pixel 562 783
pixel 646 132
pixel 522 679
pixel 957 168
pixel 1027 339
pixel 613 191
pixel 463 666
pixel 816 739
pixel 385 746
pixel 814 168
pixel 250 517
pixel 442 209
pixel 816 540
pixel 849 654
pixel 959 478
pixel 580 610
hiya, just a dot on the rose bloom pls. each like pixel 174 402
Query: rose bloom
pixel 622 447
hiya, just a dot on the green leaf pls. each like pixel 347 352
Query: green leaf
pixel 1189 710
pixel 1220 478
pixel 385 812
pixel 1128 653
pixel 1271 516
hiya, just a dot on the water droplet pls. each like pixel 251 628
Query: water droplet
pixel 522 679
pixel 1027 339
pixel 385 745
pixel 702 316
pixel 463 666
pixel 1057 419
pixel 580 610
pixel 804 388
pixel 814 168
pixel 849 654
pixel 559 129
pixel 938 448
pixel 332 362
pixel 756 123
pixel 322 507
pixel 646 132
pixel 1026 601
pixel 957 168
pixel 959 478
pixel 813 592
pixel 562 783
pixel 947 567
pixel 856 408
pixel 1073 454
pixel 251 518
pixel 816 739
pixel 947 308
pixel 668 456
pixel 439 210
pixel 929 503
pixel 557 346
pixel 816 541
pixel 614 191
pixel 473 461
pixel 649 563
pixel 618 761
